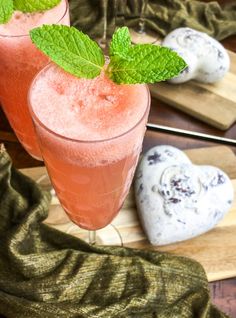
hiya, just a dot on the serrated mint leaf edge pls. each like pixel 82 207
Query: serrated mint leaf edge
pixel 120 43
pixel 76 72
pixel 26 6
pixel 130 75
pixel 6 11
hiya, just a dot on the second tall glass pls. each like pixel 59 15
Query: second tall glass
pixel 20 60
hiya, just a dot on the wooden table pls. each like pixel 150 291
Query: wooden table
pixel 223 292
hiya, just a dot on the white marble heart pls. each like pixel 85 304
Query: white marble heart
pixel 208 61
pixel 177 200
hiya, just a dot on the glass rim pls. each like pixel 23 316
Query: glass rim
pixel 36 119
pixel 27 35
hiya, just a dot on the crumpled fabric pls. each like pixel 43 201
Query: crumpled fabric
pixel 161 16
pixel 45 273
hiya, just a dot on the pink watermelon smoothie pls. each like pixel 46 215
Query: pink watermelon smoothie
pixel 20 60
pixel 90 133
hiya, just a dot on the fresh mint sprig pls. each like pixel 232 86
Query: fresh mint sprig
pixel 6 10
pixel 146 64
pixel 7 7
pixel 142 63
pixel 77 54
pixel 121 43
pixel 71 49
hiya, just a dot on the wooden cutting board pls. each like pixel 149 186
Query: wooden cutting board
pixel 215 250
pixel 214 104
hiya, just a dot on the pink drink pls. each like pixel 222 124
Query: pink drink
pixel 90 133
pixel 19 62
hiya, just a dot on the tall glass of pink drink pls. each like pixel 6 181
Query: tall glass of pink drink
pixel 20 61
pixel 90 133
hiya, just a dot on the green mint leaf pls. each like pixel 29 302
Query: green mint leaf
pixel 147 63
pixel 34 5
pixel 6 10
pixel 120 43
pixel 69 48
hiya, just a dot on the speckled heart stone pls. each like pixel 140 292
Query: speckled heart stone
pixel 176 199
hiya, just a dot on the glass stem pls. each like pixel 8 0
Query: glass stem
pixel 92 237
pixel 120 7
pixel 103 41
pixel 142 21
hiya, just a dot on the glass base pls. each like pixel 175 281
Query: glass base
pixel 109 235
pixel 144 38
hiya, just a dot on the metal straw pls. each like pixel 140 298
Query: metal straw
pixel 191 134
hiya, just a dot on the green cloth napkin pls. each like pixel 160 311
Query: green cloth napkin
pixel 45 273
pixel 162 16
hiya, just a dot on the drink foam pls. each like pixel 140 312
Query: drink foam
pixel 85 109
pixel 104 121
pixel 21 23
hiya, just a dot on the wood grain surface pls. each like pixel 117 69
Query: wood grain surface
pixel 210 249
pixel 224 291
pixel 214 104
